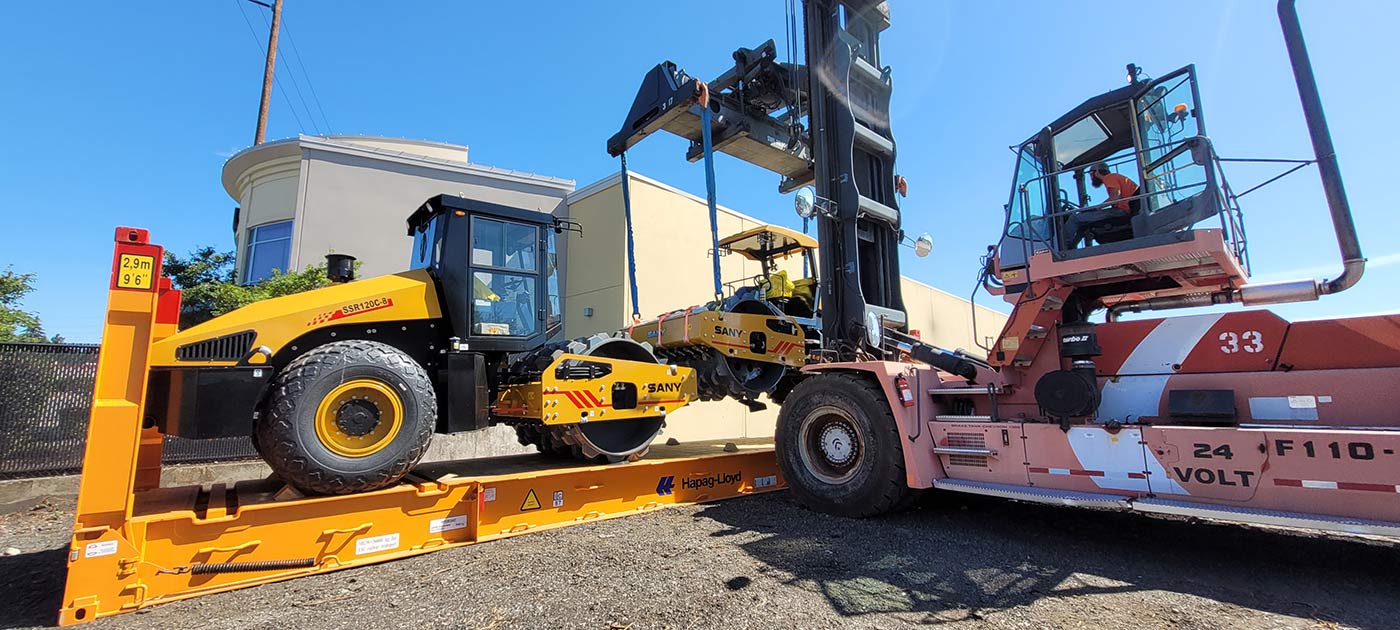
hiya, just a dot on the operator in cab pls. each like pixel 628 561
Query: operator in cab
pixel 1116 212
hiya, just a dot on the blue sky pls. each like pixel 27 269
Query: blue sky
pixel 122 114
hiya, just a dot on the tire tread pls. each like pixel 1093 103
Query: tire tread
pixel 891 494
pixel 276 432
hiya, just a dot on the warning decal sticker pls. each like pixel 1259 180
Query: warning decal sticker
pixel 531 502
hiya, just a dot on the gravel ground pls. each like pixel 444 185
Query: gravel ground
pixel 764 562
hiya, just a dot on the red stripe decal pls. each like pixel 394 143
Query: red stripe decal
pixel 1133 475
pixel 574 397
pixel 1372 487
pixel 592 398
pixel 1036 469
pixel 1087 473
pixel 1292 483
pixel 732 345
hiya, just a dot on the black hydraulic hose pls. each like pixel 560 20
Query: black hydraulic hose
pixel 1354 264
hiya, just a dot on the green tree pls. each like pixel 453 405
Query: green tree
pixel 206 279
pixel 202 266
pixel 17 324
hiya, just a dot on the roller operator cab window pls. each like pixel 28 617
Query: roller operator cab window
pixel 504 245
pixel 555 314
pixel 504 260
pixel 503 304
pixel 269 249
pixel 427 245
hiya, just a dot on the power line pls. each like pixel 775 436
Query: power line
pixel 296 85
pixel 297 53
pixel 258 44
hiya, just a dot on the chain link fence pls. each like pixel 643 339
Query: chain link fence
pixel 45 399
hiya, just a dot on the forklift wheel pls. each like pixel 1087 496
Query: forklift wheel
pixel 839 447
pixel 346 417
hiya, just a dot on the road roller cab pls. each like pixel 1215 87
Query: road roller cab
pixel 496 267
pixel 768 245
pixel 746 344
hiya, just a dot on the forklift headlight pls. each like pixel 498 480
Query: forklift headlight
pixel 874 332
pixel 923 245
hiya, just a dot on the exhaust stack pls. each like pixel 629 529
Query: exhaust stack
pixel 1353 263
pixel 340 268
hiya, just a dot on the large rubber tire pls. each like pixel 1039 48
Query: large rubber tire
pixel 287 431
pixel 874 483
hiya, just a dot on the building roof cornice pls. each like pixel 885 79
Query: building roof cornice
pixel 249 158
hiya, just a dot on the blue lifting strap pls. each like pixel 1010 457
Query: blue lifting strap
pixel 631 251
pixel 710 189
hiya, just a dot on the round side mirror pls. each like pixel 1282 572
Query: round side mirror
pixel 923 245
pixel 806 202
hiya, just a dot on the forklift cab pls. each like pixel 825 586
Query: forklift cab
pixel 1150 131
pixel 496 269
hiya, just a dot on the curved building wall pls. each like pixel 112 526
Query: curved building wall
pixel 351 195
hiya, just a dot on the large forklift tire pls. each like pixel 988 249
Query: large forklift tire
pixel 346 417
pixel 839 447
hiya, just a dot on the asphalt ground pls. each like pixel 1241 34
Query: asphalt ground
pixel 765 562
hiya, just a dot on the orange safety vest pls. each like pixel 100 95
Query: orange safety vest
pixel 1119 187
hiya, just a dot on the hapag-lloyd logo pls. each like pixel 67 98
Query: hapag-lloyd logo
pixel 712 481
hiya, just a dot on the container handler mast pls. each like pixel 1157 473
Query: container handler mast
pixel 1237 416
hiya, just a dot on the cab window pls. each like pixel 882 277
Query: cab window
pixel 504 244
pixel 1027 218
pixel 503 304
pixel 555 313
pixel 1167 115
pixel 1078 138
pixel 505 295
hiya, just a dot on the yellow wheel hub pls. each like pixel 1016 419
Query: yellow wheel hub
pixel 359 417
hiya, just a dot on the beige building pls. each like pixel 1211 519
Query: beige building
pixel 305 197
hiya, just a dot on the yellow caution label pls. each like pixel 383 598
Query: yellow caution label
pixel 135 271
pixel 532 502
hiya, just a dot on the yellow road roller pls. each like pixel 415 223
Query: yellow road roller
pixel 341 388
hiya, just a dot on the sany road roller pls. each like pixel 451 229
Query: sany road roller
pixel 342 388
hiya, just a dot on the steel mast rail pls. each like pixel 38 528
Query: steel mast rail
pixel 136 544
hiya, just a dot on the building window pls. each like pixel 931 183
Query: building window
pixel 269 247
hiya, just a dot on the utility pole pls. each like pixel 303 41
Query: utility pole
pixel 267 72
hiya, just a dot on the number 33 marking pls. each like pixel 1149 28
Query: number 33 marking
pixel 1253 342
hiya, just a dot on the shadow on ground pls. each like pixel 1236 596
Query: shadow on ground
pixel 957 557
pixel 31 585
